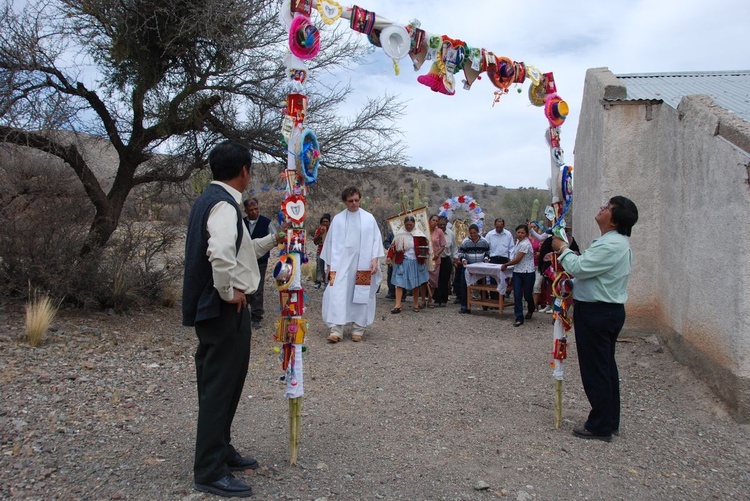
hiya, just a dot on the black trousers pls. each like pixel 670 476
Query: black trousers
pixel 221 363
pixel 255 300
pixel 444 280
pixel 597 326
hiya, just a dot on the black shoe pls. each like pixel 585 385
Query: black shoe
pixel 241 463
pixel 465 310
pixel 229 487
pixel 529 314
pixel 256 324
pixel 582 432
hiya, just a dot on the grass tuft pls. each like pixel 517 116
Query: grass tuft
pixel 39 315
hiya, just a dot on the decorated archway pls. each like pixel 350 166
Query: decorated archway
pixel 448 57
pixel 466 203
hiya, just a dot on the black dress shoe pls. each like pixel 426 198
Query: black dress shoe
pixel 240 463
pixel 229 487
pixel 465 310
pixel 582 432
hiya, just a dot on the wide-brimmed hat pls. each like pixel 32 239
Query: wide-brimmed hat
pixel 304 38
pixel 395 41
pixel 556 110
pixel 284 272
pixel 307 154
pixel 504 73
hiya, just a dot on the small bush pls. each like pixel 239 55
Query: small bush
pixel 40 312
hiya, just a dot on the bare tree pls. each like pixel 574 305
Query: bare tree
pixel 172 77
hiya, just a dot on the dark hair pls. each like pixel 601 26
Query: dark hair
pixel 410 218
pixel 624 214
pixel 523 227
pixel 247 201
pixel 349 191
pixel 473 226
pixel 443 217
pixel 499 219
pixel 544 249
pixel 227 159
pixel 325 216
pixel 434 215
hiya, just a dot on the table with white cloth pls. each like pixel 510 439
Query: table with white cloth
pixel 476 275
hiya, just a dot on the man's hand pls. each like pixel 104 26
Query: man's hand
pixel 239 299
pixel 374 265
pixel 558 244
pixel 281 234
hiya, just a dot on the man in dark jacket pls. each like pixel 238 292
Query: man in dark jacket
pixel 259 226
pixel 220 269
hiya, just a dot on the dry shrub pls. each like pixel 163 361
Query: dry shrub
pixel 44 220
pixel 309 269
pixel 40 312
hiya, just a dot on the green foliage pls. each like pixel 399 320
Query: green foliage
pixel 419 197
pixel 517 205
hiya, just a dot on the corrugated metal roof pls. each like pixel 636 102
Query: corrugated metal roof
pixel 730 89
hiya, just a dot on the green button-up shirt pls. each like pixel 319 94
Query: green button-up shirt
pixel 601 272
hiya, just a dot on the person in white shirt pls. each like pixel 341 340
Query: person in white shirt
pixel 502 247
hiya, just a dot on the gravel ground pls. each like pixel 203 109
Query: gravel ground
pixel 431 405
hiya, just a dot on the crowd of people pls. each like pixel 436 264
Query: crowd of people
pixel 226 257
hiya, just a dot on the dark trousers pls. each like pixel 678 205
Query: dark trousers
pixel 496 260
pixel 460 285
pixel 597 326
pixel 320 271
pixel 457 277
pixel 444 280
pixel 221 363
pixel 523 288
pixel 255 300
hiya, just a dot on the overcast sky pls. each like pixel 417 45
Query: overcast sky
pixel 465 137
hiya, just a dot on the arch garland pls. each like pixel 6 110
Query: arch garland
pixel 468 204
pixel 449 56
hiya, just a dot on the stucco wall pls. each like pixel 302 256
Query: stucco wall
pixel 687 171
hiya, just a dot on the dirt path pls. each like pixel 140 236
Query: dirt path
pixel 427 407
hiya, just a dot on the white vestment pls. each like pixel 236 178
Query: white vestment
pixel 352 242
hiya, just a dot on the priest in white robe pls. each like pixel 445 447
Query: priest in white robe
pixel 352 251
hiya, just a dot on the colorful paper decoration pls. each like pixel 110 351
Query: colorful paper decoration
pixel 292 303
pixel 294 208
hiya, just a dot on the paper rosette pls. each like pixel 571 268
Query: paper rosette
pixel 537 94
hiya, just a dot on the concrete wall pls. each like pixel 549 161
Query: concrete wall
pixel 687 171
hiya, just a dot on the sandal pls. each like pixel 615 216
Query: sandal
pixel 415 309
pixel 518 323
pixel 396 310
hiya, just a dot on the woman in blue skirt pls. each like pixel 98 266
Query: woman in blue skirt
pixel 408 254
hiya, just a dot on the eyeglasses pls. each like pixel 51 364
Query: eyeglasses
pixel 353 201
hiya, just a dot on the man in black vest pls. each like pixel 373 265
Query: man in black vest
pixel 259 226
pixel 220 268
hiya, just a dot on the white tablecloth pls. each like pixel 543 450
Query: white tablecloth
pixel 477 271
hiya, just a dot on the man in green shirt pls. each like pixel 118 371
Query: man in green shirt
pixel 601 275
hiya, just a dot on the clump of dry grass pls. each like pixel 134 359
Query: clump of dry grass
pixel 308 270
pixel 39 315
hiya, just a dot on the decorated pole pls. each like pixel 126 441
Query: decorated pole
pixel 303 159
pixel 449 56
